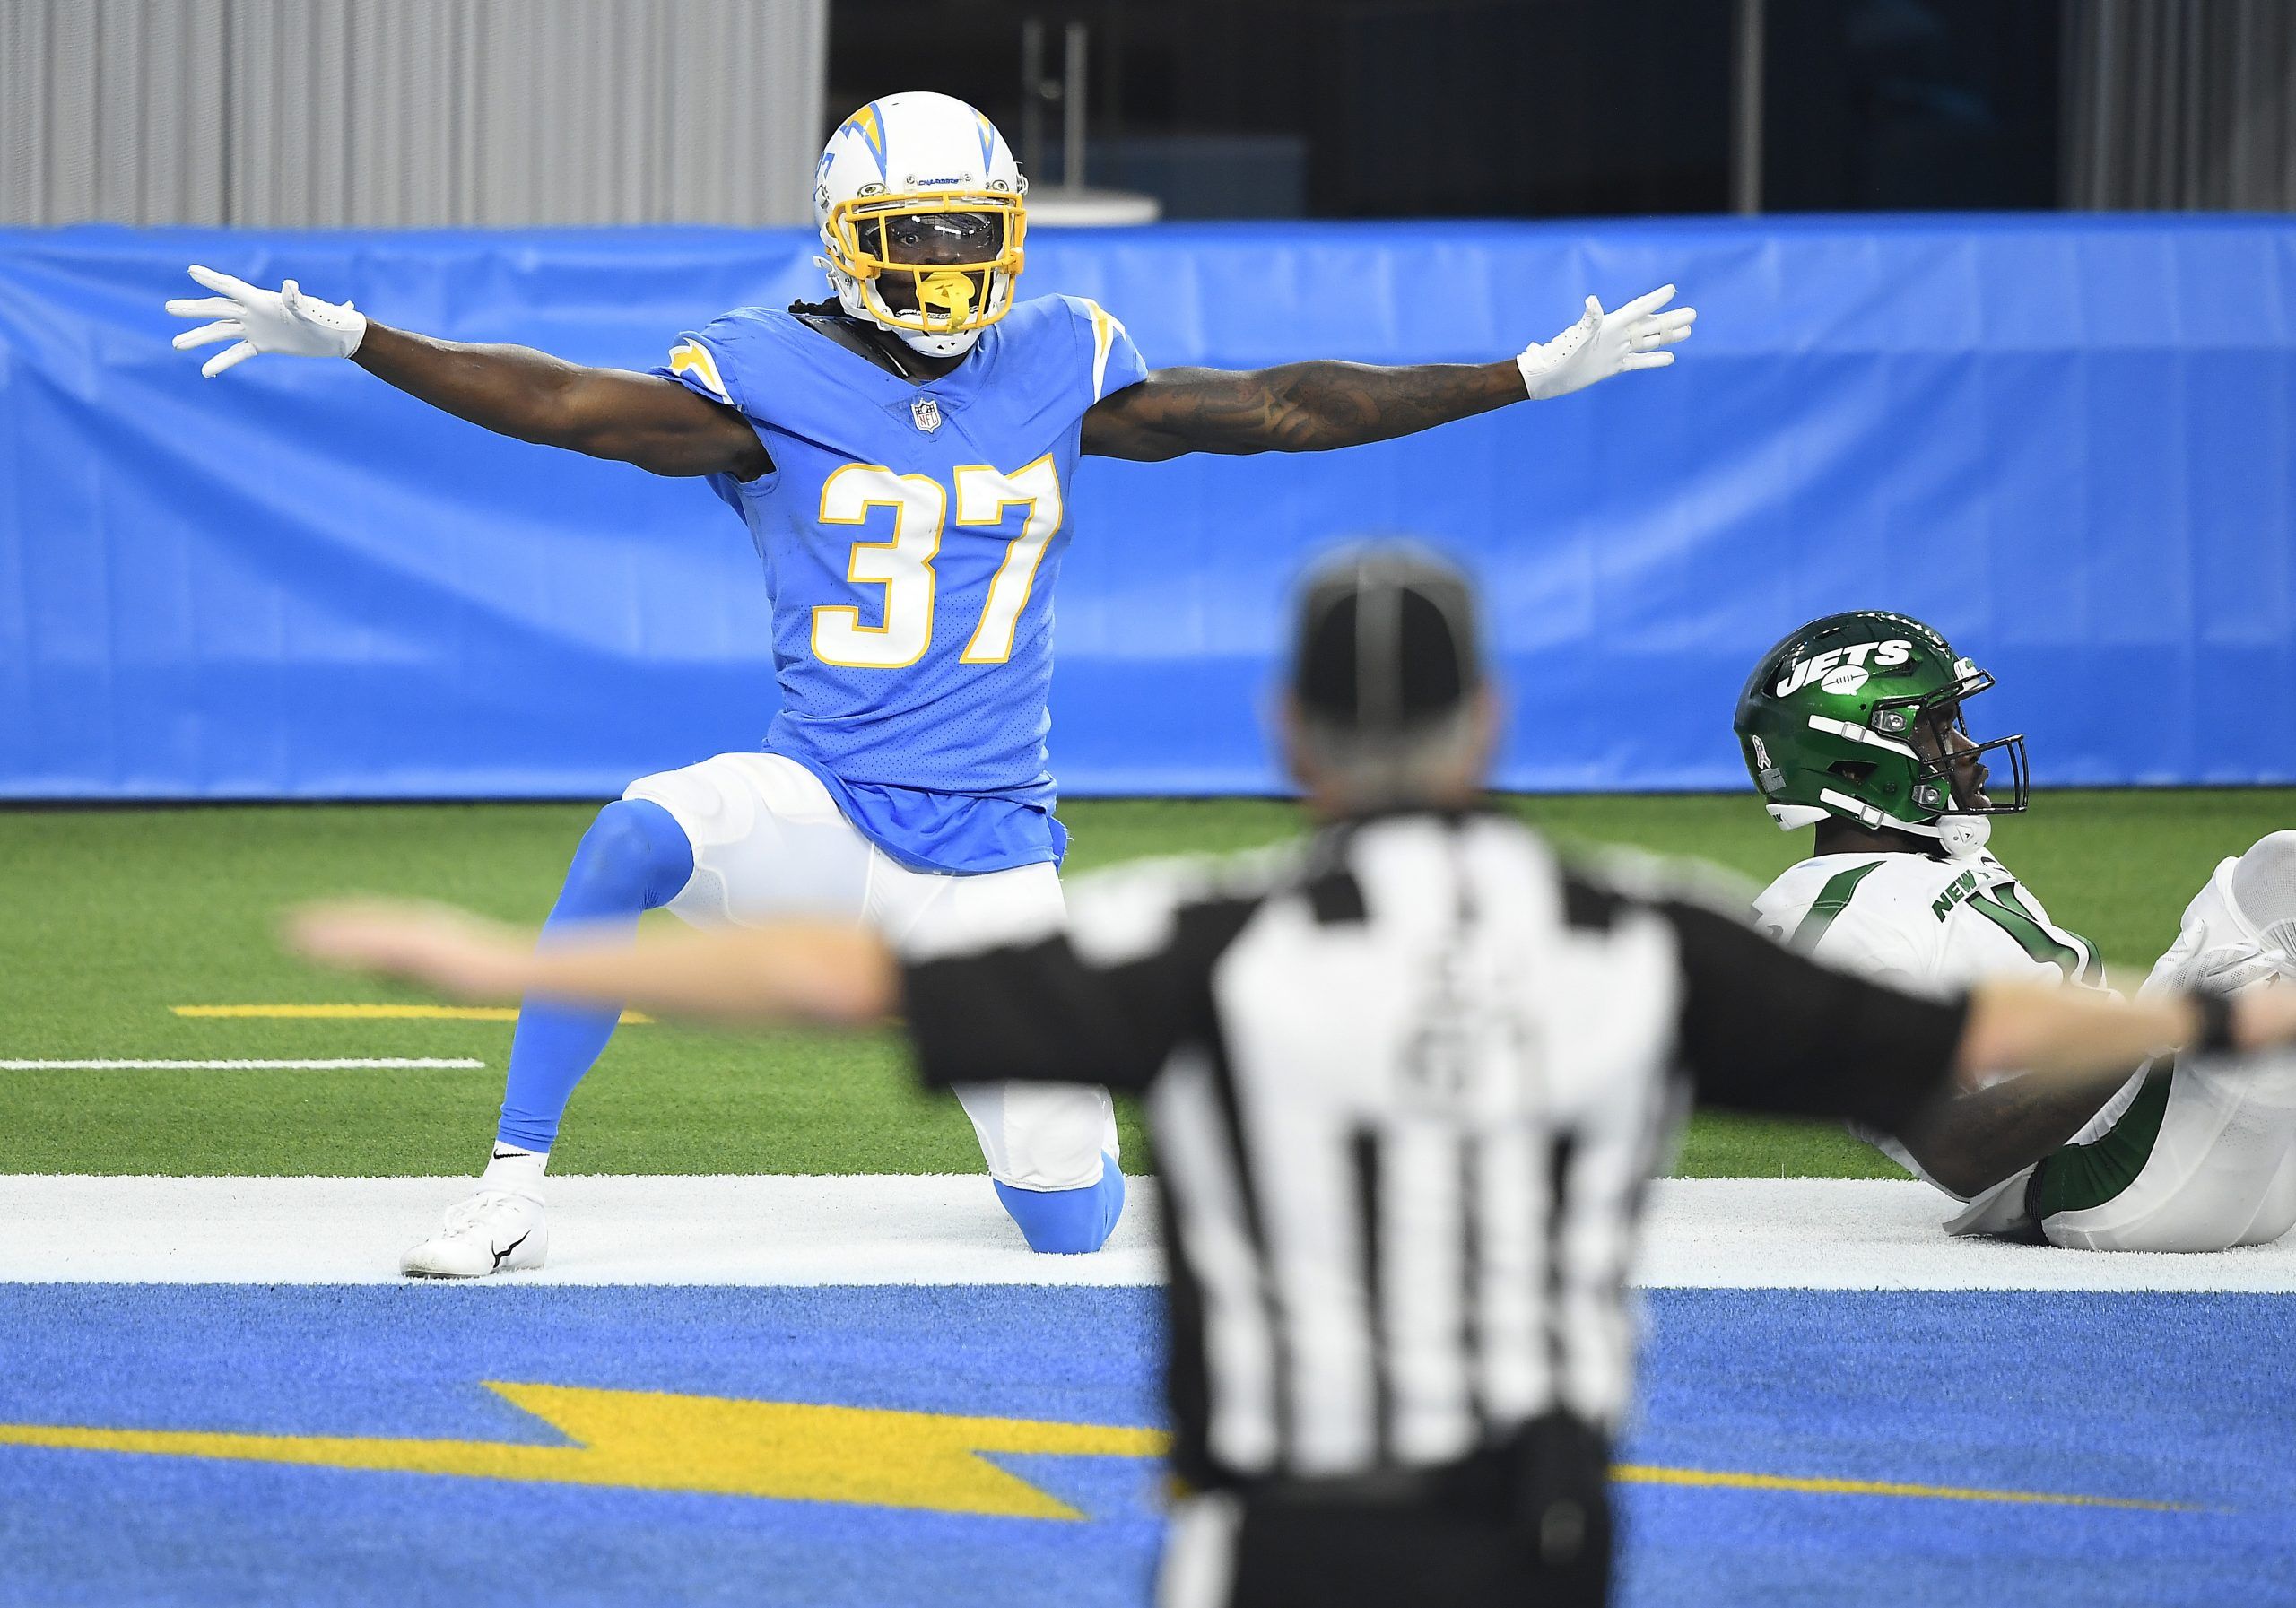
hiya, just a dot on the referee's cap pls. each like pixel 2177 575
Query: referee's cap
pixel 1387 643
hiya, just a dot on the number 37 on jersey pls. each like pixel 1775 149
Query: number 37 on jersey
pixel 923 510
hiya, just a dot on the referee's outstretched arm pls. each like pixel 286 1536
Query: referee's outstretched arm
pixel 1761 1028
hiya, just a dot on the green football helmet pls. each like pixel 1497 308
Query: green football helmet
pixel 1850 716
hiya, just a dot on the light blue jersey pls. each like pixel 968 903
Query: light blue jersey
pixel 912 536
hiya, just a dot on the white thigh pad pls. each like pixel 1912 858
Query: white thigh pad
pixel 769 841
pixel 932 913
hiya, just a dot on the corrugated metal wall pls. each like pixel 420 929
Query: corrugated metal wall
pixel 406 113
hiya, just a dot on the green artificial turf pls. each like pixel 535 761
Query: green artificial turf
pixel 108 917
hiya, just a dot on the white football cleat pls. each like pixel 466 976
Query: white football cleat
pixel 495 1230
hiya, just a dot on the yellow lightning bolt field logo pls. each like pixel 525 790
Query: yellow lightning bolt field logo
pixel 695 1443
pixel 796 1452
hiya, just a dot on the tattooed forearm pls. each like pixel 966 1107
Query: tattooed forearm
pixel 1299 407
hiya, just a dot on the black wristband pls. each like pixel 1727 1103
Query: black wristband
pixel 2216 1035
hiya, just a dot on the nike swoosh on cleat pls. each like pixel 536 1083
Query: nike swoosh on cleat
pixel 503 1251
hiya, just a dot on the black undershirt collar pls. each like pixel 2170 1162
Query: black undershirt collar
pixel 867 341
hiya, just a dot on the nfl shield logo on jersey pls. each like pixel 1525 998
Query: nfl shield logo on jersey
pixel 926 412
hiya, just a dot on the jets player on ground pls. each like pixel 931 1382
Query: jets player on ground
pixel 1853 726
pixel 902 457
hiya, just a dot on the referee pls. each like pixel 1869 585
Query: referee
pixel 1405 1083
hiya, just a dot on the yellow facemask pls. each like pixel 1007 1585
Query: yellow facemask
pixel 950 297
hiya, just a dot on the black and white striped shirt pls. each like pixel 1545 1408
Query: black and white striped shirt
pixel 1406 1085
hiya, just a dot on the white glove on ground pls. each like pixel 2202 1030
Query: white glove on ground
pixel 1600 345
pixel 284 320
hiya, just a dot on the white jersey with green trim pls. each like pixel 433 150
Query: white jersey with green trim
pixel 1925 922
pixel 1929 923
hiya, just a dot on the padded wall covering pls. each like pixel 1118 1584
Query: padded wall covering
pixel 2066 441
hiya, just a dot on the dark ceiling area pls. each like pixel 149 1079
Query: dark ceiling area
pixel 1366 109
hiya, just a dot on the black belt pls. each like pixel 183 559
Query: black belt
pixel 1550 1478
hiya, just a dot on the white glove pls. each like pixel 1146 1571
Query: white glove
pixel 1602 344
pixel 282 320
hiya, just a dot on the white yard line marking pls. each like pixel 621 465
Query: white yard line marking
pixel 1712 1233
pixel 372 1063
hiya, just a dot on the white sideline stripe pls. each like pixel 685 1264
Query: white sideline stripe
pixel 1888 1234
pixel 1712 1233
pixel 373 1063
pixel 941 1229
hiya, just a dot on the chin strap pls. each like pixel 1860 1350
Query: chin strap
pixel 1962 836
pixel 942 345
pixel 1959 836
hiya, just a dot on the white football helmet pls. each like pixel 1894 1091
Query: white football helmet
pixel 919 204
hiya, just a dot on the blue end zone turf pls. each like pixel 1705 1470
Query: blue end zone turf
pixel 98 1527
pixel 2157 1397
pixel 2179 1399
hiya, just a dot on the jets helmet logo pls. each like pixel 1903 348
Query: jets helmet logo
pixel 1844 669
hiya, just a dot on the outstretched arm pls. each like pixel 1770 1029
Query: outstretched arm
pixel 1034 1011
pixel 641 419
pixel 1316 407
pixel 1299 407
pixel 1027 1009
pixel 1766 1029
pixel 790 971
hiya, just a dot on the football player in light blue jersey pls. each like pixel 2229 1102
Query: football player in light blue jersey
pixel 913 606
pixel 902 457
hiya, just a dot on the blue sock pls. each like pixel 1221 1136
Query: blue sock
pixel 634 857
pixel 1066 1221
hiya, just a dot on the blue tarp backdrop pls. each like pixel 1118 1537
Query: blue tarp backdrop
pixel 2065 440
